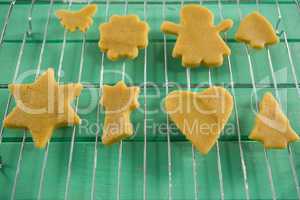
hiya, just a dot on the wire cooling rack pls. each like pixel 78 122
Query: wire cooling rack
pixel 157 163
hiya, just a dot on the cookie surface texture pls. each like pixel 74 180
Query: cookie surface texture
pixel 200 116
pixel 122 36
pixel 43 106
pixel 198 39
pixel 256 31
pixel 118 101
pixel 272 127
pixel 82 19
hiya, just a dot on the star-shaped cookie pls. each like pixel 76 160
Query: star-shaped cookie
pixel 198 39
pixel 43 106
pixel 122 36
pixel 81 19
pixel 272 127
pixel 119 101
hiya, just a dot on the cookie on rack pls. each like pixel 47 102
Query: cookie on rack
pixel 82 19
pixel 122 36
pixel 257 31
pixel 118 101
pixel 42 107
pixel 272 127
pixel 198 39
pixel 200 116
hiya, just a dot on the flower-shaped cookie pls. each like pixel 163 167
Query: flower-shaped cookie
pixel 81 19
pixel 122 36
pixel 272 127
pixel 198 39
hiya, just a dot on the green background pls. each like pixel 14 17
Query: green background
pixel 131 182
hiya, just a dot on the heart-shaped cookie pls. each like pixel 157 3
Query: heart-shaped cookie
pixel 200 116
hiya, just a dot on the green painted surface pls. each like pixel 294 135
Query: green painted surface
pixel 131 180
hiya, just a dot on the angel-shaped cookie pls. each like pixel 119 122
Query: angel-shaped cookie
pixel 82 19
pixel 256 31
pixel 199 41
pixel 119 101
pixel 272 127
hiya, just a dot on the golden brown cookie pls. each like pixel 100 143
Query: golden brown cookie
pixel 198 39
pixel 119 101
pixel 256 31
pixel 272 127
pixel 43 106
pixel 200 116
pixel 82 19
pixel 122 36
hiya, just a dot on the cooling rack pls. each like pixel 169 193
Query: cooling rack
pixel 157 163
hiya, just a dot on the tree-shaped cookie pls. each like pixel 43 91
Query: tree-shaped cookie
pixel 122 36
pixel 256 31
pixel 82 19
pixel 43 106
pixel 272 127
pixel 198 39
pixel 119 101
pixel 200 116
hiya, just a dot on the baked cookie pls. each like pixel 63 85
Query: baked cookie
pixel 122 36
pixel 200 116
pixel 43 106
pixel 256 31
pixel 82 19
pixel 198 39
pixel 119 101
pixel 272 127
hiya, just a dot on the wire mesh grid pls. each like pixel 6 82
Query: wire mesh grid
pixel 254 173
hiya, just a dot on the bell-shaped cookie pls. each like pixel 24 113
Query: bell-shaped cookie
pixel 256 31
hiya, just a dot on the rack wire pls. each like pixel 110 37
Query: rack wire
pixel 257 110
pixel 28 33
pixel 236 114
pixel 98 113
pixel 278 98
pixel 188 80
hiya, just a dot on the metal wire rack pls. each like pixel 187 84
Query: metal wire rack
pixel 171 185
